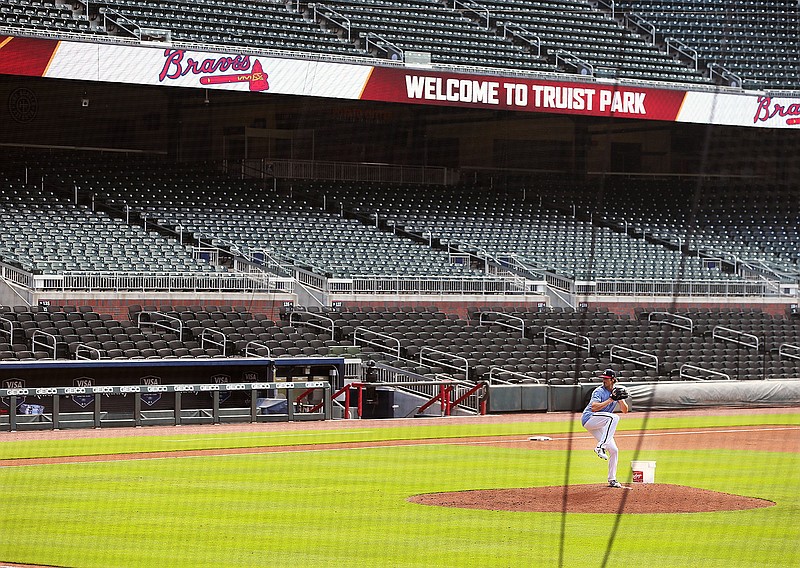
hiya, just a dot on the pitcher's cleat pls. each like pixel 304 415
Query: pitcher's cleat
pixel 616 484
pixel 601 453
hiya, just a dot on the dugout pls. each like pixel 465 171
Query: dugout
pixel 137 392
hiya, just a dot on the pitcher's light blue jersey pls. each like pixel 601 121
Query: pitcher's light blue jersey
pixel 600 394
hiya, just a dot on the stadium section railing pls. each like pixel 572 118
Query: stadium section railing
pixel 168 281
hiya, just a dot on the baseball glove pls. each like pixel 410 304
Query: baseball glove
pixel 619 393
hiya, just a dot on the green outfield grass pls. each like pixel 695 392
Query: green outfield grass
pixel 349 506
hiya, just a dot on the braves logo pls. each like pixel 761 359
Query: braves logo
pixel 768 109
pixel 177 65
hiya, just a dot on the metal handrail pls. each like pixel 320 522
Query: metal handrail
pixel 145 281
pixel 547 335
pixel 344 23
pixel 120 21
pixel 421 384
pixel 520 328
pixel 523 34
pixel 89 349
pixel 783 352
pixel 9 331
pixel 36 342
pixel 475 8
pixel 642 287
pixel 499 369
pixel 331 328
pixel 381 346
pixel 378 41
pixel 668 316
pixel 470 393
pixel 436 362
pixel 616 348
pixel 208 337
pixel 715 335
pixel 683 49
pixel 256 345
pixel 574 60
pixel 696 378
pixel 642 24
pixel 158 324
pixel 717 70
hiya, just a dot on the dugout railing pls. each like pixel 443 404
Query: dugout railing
pixel 425 385
pixel 449 394
pixel 265 405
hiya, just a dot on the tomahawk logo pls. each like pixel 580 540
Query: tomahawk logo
pixel 150 398
pixel 177 64
pixel 83 400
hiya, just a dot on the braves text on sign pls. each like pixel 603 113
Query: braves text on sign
pixel 768 109
pixel 175 65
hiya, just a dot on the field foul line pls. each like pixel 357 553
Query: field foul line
pixel 251 452
pixel 256 436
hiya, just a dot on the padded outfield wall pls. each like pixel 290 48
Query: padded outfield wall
pixel 649 396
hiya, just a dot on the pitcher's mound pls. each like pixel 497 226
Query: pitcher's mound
pixel 637 498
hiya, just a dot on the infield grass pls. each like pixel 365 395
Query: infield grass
pixel 349 506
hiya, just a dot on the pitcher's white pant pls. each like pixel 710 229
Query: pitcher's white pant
pixel 603 426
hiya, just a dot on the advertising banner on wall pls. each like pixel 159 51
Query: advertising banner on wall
pixel 272 75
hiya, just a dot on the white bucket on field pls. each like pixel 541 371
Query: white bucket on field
pixel 644 471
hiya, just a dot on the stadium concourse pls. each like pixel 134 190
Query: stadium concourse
pixel 483 204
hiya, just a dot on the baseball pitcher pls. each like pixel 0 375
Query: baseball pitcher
pixel 599 419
